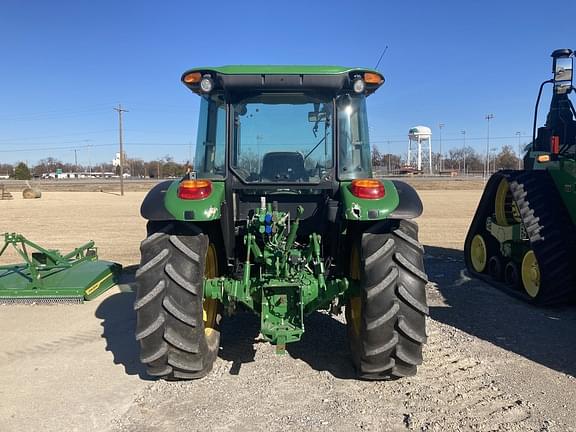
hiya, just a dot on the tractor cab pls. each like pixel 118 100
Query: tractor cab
pixel 556 140
pixel 290 133
pixel 298 127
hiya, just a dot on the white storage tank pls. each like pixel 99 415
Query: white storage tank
pixel 420 148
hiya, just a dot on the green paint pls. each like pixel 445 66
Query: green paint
pixel 564 176
pixel 280 70
pixel 47 274
pixel 292 281
pixel 204 210
pixel 358 209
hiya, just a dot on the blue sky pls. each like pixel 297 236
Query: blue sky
pixel 66 64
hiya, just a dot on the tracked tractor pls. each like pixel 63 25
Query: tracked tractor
pixel 523 235
pixel 283 218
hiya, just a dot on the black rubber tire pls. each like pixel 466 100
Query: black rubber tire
pixel 393 302
pixel 495 268
pixel 170 326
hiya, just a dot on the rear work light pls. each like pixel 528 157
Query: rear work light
pixel 368 189
pixel 194 189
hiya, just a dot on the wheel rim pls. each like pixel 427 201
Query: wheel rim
pixel 210 306
pixel 531 274
pixel 505 208
pixel 478 253
pixel 355 303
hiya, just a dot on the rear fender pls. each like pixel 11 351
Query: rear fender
pixel 400 201
pixel 163 203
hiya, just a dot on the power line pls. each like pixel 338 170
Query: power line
pixel 56 148
pixel 55 136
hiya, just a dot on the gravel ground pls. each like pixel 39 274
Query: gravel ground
pixel 491 362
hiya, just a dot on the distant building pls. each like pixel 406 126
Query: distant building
pixel 76 175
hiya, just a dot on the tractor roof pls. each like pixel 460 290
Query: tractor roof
pixel 279 69
pixel 282 78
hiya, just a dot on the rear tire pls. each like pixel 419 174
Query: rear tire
pixel 387 322
pixel 169 303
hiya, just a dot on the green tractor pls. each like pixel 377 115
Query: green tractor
pixel 523 236
pixel 282 218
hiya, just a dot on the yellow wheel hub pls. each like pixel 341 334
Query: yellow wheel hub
pixel 505 207
pixel 210 306
pixel 355 303
pixel 531 274
pixel 478 253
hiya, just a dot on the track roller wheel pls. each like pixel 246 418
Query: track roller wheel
pixel 176 327
pixel 387 320
pixel 531 274
pixel 478 253
pixel 512 277
pixel 495 268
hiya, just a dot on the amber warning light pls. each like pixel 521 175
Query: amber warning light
pixel 193 78
pixel 373 78
pixel 368 189
pixel 194 189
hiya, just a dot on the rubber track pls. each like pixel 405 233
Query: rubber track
pixel 550 230
pixel 169 304
pixel 394 303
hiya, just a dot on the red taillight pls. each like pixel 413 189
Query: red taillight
pixel 555 144
pixel 368 189
pixel 194 189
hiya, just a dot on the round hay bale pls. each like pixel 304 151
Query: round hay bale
pixel 31 193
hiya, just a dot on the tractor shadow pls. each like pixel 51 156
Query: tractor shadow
pixel 323 347
pixel 238 337
pixel 119 326
pixel 545 335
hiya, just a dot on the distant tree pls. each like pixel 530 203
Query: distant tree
pixel 249 161
pixel 22 172
pixel 463 158
pixel 376 156
pixel 390 162
pixel 6 169
pixel 48 165
pixel 137 167
pixel 506 159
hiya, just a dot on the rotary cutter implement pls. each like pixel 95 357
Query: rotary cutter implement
pixel 47 276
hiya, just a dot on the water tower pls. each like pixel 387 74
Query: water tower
pixel 420 148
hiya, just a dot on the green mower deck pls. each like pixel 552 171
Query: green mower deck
pixel 46 276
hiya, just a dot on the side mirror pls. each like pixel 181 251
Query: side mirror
pixel 316 117
pixel 563 67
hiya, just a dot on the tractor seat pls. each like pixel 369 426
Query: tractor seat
pixel 283 167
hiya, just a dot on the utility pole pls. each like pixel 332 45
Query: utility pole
pixel 120 111
pixel 388 148
pixel 75 160
pixel 463 132
pixel 519 151
pixel 487 164
pixel 440 126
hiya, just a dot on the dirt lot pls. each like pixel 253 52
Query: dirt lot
pixel 491 363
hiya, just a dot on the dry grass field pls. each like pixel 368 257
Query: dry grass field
pixel 492 363
pixel 64 220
